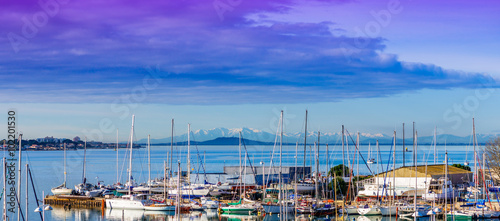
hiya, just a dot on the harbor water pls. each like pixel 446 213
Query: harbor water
pixel 101 166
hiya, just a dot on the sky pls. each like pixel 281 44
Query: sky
pixel 72 67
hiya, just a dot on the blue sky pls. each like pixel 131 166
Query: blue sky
pixel 68 66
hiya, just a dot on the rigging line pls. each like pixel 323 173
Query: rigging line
pixel 387 171
pixel 200 164
pixel 34 191
pixel 361 155
pixel 19 204
pixel 248 156
pixel 272 155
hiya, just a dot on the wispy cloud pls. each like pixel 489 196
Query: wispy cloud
pixel 90 53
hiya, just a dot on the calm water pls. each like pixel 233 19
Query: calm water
pixel 47 170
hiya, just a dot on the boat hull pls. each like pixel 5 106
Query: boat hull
pixel 61 191
pixel 388 210
pixel 369 211
pixel 238 210
pixel 124 204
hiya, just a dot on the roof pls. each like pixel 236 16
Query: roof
pixel 422 171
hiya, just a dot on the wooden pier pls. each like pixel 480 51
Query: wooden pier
pixel 71 201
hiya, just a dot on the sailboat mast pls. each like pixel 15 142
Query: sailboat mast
pixel 281 155
pixel 27 195
pixel 404 148
pixel 4 169
pixel 19 177
pixel 149 159
pixel 446 182
pixel 189 156
pixel 171 147
pixel 357 160
pixel 165 180
pixel 476 182
pixel 117 178
pixel 326 170
pixel 435 141
pixel 130 158
pixel 64 164
pixel 416 175
pixel 394 169
pixel 305 147
pixel 84 179
pixel 239 156
pixel 316 185
pixel 414 141
pixel 343 153
pixel 378 160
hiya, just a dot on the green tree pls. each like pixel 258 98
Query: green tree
pixel 461 166
pixel 341 187
pixel 337 170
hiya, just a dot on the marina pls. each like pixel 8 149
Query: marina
pixel 236 189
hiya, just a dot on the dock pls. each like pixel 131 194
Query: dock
pixel 75 201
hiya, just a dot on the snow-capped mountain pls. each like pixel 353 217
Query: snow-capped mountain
pixel 327 137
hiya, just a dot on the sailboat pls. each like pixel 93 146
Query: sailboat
pixel 282 206
pixel 189 190
pixel 239 207
pixel 62 189
pixel 305 185
pixel 128 201
pixel 371 160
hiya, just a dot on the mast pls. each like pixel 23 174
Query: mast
pixel 178 197
pixel 476 182
pixel 305 147
pixel 343 154
pixel 239 157
pixel 130 159
pixel 435 141
pixel 416 187
pixel 327 168
pixel 317 167
pixel 117 178
pixel 281 155
pixel 27 167
pixel 414 144
pixel 165 180
pixel 84 161
pixel 295 177
pixel 404 148
pixel 4 169
pixel 316 184
pixel 149 160
pixel 446 182
pixel 189 156
pixel 357 159
pixel 378 160
pixel 64 165
pixel 171 147
pixel 19 179
pixel 394 169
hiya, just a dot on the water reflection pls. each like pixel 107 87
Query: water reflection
pixel 211 215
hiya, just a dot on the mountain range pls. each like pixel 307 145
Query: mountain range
pixel 257 137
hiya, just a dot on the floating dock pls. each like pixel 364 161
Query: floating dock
pixel 75 201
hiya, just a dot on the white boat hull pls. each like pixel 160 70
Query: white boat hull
pixel 192 193
pixel 159 207
pixel 124 204
pixel 369 211
pixel 388 210
pixel 61 191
